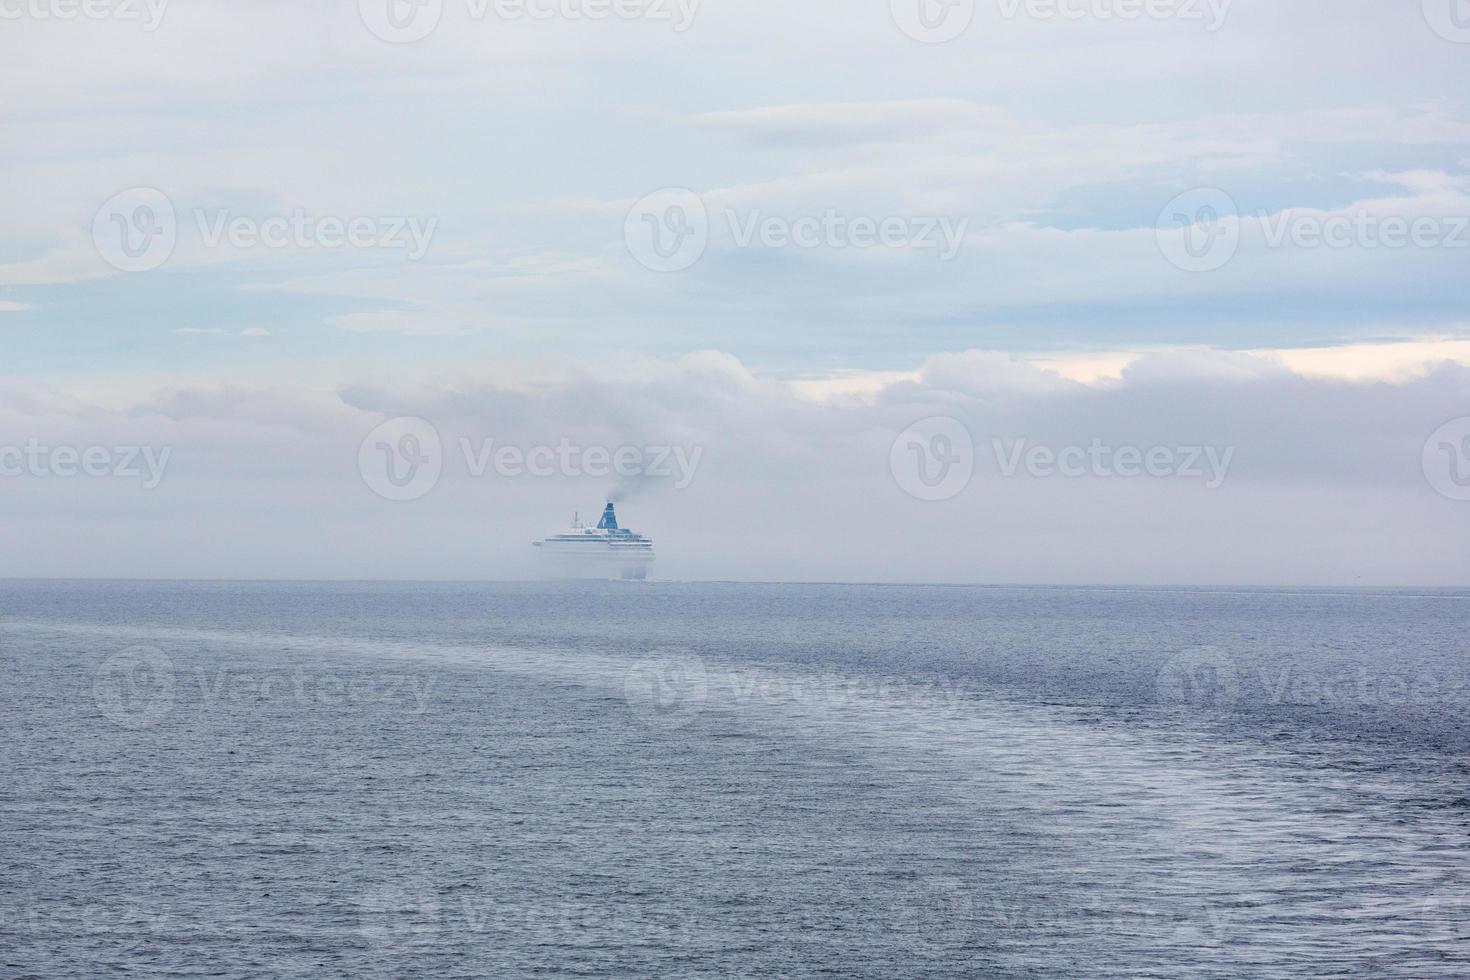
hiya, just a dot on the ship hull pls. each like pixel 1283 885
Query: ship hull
pixel 595 560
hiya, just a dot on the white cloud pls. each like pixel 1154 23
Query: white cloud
pixel 1056 140
pixel 785 483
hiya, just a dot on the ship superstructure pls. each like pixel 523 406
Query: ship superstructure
pixel 598 551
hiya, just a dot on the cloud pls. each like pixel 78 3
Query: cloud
pixel 413 323
pixel 221 332
pixel 788 485
pixel 1059 320
pixel 1052 139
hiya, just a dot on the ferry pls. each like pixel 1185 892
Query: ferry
pixel 582 551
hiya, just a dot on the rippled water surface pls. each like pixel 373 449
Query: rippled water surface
pixel 711 780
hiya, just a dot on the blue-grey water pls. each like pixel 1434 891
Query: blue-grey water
pixel 657 779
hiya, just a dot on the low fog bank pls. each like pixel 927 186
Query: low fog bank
pixel 1192 469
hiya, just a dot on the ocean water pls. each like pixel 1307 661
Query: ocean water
pixel 662 779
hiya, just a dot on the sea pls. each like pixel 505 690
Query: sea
pixel 659 779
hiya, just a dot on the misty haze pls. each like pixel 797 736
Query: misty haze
pixel 679 488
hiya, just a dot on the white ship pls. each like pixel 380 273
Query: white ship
pixel 600 551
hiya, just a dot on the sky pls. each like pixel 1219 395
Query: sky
pixel 1114 292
